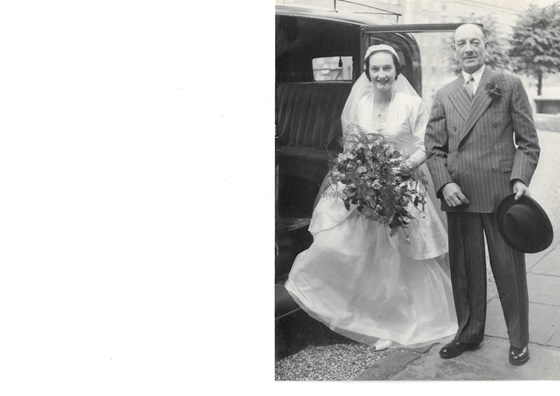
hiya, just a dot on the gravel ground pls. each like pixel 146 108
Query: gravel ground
pixel 338 362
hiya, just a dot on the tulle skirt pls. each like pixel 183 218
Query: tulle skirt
pixel 366 284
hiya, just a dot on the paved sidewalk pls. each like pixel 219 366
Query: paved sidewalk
pixel 490 361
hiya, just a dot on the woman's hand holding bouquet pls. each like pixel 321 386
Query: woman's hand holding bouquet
pixel 378 180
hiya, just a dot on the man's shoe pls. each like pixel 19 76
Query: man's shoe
pixel 517 357
pixel 456 348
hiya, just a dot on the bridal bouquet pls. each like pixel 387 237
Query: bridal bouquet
pixel 373 178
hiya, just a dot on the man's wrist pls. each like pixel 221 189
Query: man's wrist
pixel 440 191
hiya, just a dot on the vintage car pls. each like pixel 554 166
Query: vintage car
pixel 319 55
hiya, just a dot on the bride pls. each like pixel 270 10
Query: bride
pixel 356 277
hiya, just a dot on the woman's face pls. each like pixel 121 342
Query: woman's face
pixel 382 71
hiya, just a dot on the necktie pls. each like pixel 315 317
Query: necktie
pixel 469 87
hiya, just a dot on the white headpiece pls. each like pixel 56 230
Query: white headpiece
pixel 363 87
pixel 381 47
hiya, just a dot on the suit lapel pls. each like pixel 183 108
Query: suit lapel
pixel 459 97
pixel 479 104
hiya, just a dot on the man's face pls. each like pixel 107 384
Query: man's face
pixel 470 47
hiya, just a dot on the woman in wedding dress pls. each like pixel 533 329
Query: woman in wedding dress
pixel 356 277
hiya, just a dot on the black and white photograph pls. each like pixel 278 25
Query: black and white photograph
pixel 416 197
pixel 391 164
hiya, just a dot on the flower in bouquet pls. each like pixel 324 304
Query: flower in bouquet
pixel 376 178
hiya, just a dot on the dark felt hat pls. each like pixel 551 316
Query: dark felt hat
pixel 524 224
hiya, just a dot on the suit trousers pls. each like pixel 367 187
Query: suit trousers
pixel 468 277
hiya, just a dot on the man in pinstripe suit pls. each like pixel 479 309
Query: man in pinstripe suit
pixel 474 163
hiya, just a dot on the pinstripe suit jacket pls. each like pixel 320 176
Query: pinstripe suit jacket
pixel 472 143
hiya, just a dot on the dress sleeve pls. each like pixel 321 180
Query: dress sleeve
pixel 418 119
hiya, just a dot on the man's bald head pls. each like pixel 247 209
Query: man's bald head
pixel 468 28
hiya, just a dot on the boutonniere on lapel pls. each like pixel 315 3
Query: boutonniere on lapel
pixel 493 90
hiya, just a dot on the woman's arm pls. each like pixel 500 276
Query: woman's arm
pixel 417 119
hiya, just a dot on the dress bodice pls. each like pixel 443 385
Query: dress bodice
pixel 404 126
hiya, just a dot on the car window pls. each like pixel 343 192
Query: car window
pixel 332 68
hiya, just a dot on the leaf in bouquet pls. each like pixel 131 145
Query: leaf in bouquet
pixel 368 211
pixel 346 204
pixel 401 212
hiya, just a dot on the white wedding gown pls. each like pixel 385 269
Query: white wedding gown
pixel 364 283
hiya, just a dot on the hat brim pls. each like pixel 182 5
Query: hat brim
pixel 531 243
